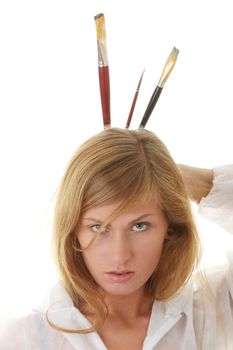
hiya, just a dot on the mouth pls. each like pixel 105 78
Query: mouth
pixel 120 272
pixel 120 276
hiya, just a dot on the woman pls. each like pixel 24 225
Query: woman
pixel 126 247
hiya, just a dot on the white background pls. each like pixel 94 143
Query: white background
pixel 49 104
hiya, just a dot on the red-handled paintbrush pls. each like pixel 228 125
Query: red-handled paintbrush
pixel 134 102
pixel 103 69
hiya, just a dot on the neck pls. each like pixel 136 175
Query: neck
pixel 129 307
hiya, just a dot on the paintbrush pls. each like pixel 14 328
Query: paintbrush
pixel 134 102
pixel 103 68
pixel 170 63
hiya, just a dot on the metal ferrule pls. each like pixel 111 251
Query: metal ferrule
pixel 102 53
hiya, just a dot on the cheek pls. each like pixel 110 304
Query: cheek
pixel 83 239
pixel 90 256
pixel 150 252
pixel 94 259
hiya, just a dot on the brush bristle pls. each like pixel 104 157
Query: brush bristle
pixel 100 26
pixel 169 65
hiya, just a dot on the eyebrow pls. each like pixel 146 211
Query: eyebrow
pixel 131 222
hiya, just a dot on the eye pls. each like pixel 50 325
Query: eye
pixel 140 226
pixel 98 228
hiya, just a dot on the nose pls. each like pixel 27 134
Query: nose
pixel 121 249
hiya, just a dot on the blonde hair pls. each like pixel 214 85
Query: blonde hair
pixel 120 164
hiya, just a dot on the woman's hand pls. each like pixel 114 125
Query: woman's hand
pixel 198 181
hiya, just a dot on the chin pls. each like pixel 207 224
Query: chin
pixel 121 289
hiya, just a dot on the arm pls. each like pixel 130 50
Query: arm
pixel 213 190
pixel 198 181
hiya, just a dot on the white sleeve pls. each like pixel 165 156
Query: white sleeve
pixel 217 206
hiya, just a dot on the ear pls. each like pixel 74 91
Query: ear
pixel 170 233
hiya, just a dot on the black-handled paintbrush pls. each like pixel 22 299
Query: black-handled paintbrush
pixel 170 63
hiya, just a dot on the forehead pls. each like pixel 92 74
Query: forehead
pixel 137 209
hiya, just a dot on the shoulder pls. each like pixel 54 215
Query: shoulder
pixel 29 332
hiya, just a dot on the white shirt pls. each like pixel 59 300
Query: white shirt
pixel 188 321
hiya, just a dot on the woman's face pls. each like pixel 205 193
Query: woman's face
pixel 126 253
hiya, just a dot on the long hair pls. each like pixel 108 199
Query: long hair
pixel 120 164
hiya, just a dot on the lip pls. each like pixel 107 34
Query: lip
pixel 119 276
